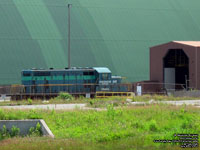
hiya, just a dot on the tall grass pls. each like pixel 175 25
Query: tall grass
pixel 69 144
pixel 147 123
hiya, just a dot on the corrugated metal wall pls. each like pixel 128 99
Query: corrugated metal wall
pixel 111 33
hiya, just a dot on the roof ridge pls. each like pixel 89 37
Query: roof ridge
pixel 190 43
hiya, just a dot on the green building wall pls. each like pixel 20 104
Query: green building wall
pixel 107 33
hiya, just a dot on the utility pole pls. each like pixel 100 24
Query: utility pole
pixel 69 63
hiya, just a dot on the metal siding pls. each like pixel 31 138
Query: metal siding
pixel 113 33
pixel 160 51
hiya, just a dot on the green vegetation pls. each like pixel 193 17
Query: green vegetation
pixel 35 131
pixel 72 144
pixel 4 133
pixel 133 125
pixel 30 101
pixel 14 131
pixel 65 96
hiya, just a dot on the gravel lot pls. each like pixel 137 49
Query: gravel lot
pixel 186 102
pixel 83 106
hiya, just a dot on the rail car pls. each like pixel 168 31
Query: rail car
pixel 76 81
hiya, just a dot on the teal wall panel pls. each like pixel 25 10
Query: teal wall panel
pixel 105 33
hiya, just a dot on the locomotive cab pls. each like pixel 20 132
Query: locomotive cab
pixel 104 79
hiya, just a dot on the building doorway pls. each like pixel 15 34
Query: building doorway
pixel 176 69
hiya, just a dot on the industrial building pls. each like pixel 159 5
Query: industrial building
pixel 104 33
pixel 176 64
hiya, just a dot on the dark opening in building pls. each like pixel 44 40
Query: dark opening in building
pixel 176 69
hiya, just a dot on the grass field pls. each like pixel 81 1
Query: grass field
pixel 123 128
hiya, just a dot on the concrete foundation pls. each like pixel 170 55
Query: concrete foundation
pixel 25 125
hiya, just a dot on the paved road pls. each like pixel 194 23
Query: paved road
pixel 48 106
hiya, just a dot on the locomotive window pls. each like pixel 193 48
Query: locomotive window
pixel 41 74
pixel 26 74
pixel 91 73
pixel 88 73
pixel 104 76
pixel 85 73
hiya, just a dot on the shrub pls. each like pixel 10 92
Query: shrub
pixel 65 96
pixel 91 102
pixel 14 131
pixel 30 101
pixel 4 133
pixel 35 131
pixel 34 114
pixel 153 126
